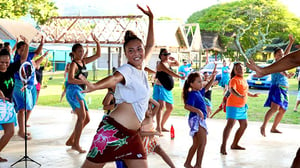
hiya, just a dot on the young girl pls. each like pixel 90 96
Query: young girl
pixel 162 89
pixel 117 136
pixel 193 96
pixel 148 133
pixel 236 107
pixel 225 76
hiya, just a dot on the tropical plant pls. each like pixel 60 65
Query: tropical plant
pixel 39 10
pixel 253 24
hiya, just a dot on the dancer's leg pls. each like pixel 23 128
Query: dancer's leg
pixel 166 115
pixel 226 132
pixel 82 120
pixel 274 107
pixel 8 133
pixel 277 120
pixel 238 135
pixel 158 115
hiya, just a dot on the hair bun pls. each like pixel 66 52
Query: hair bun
pixel 129 35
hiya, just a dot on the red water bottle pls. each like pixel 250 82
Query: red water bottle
pixel 172 132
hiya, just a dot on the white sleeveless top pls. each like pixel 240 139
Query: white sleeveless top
pixel 135 91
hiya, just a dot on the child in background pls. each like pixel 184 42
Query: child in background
pixel 210 81
pixel 148 133
pixel 222 105
pixel 109 102
pixel 193 96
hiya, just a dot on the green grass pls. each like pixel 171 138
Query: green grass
pixel 50 96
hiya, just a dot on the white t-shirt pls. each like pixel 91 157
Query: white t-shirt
pixel 135 91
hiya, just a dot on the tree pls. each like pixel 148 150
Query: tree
pixel 254 23
pixel 40 10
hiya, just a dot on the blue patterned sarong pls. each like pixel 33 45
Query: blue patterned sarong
pixel 160 93
pixel 195 122
pixel 7 113
pixel 19 96
pixel 74 95
pixel 278 95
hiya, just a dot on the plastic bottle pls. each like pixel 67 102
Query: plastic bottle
pixel 172 132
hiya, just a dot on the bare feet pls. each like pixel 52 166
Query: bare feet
pixel 165 130
pixel 237 147
pixel 223 150
pixel 79 149
pixel 276 131
pixel 22 135
pixel 27 125
pixel 3 160
pixel 69 143
pixel 186 165
pixel 158 129
pixel 262 131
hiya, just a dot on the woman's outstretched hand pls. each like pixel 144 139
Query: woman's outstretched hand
pixel 146 12
pixel 89 86
pixel 251 65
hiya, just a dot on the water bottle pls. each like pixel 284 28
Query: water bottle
pixel 172 132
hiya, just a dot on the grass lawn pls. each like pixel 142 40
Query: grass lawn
pixel 50 95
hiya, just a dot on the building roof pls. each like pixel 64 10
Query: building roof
pixel 211 41
pixel 11 29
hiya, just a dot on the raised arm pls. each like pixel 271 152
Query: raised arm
pixel 291 41
pixel 15 46
pixel 173 61
pixel 86 52
pixel 98 51
pixel 212 79
pixel 150 36
pixel 24 54
pixel 39 60
pixel 40 47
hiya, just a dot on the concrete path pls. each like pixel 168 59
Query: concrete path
pixel 50 127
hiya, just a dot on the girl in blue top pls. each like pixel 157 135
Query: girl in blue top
pixel 193 96
pixel 278 93
pixel 225 76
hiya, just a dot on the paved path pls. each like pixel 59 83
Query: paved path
pixel 50 127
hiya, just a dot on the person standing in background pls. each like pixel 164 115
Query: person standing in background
pixel 162 89
pixel 184 70
pixel 225 76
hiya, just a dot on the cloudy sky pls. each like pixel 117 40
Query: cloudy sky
pixel 173 8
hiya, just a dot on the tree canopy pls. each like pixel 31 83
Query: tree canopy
pixel 253 23
pixel 39 10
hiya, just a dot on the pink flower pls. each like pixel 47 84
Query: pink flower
pixel 103 137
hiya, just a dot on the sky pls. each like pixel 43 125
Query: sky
pixel 181 9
